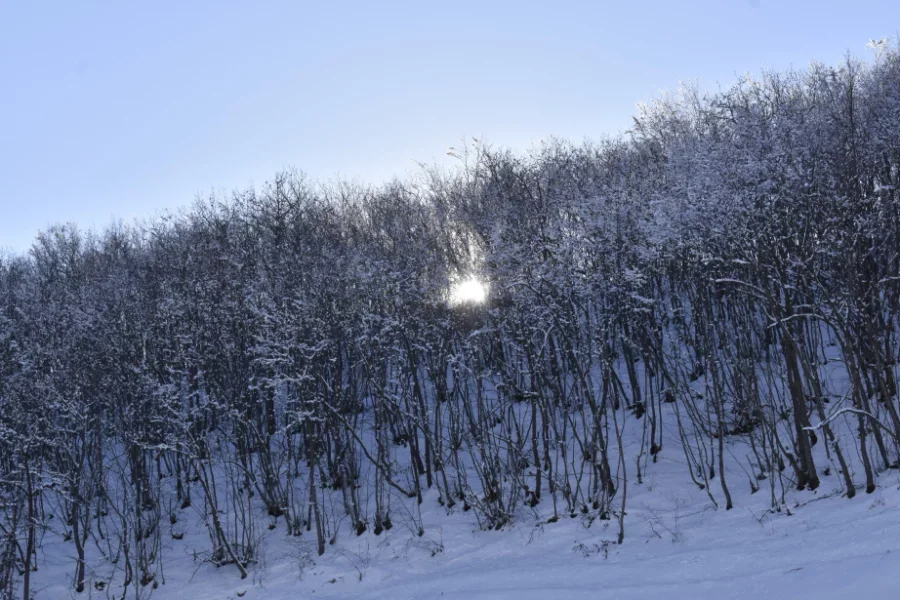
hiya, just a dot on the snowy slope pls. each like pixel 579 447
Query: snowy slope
pixel 677 545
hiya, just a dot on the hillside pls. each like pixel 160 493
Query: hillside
pixel 664 364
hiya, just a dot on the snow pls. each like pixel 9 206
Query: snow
pixel 828 548
pixel 677 545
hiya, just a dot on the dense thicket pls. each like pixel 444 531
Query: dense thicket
pixel 732 265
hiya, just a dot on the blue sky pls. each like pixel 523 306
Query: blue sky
pixel 122 109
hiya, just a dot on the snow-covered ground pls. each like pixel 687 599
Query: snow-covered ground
pixel 677 545
pixel 678 548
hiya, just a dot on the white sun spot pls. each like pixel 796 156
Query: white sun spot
pixel 468 291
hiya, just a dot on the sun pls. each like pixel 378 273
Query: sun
pixel 468 291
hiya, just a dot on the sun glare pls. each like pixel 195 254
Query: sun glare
pixel 468 291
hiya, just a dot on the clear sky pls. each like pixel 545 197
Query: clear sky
pixel 121 109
